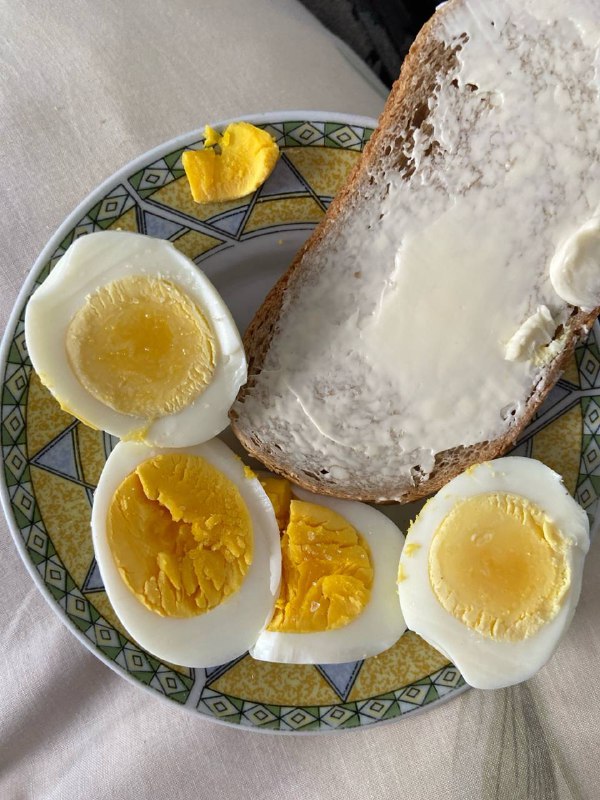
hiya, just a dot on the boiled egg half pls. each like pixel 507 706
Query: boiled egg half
pixel 188 548
pixel 491 571
pixel 132 338
pixel 338 599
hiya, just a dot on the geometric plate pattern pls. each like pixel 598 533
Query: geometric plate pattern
pixel 51 463
pixel 340 716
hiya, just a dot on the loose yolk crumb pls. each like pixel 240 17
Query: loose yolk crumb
pixel 279 492
pixel 499 565
pixel 232 165
pixel 142 347
pixel 180 534
pixel 327 572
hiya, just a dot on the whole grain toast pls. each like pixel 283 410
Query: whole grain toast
pixel 431 59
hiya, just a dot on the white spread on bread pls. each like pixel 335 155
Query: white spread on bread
pixel 415 325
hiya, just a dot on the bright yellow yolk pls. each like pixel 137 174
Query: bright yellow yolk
pixel 499 565
pixel 246 158
pixel 327 573
pixel 180 534
pixel 141 347
pixel 279 492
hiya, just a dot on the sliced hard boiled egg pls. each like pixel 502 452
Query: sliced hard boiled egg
pixel 188 548
pixel 132 338
pixel 338 599
pixel 491 571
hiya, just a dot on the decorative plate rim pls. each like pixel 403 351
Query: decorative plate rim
pixel 97 194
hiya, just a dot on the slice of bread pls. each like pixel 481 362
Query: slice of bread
pixel 485 160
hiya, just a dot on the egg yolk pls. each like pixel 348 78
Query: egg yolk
pixel 232 165
pixel 180 534
pixel 142 347
pixel 499 565
pixel 279 492
pixel 326 575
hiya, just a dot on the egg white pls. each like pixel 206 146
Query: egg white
pixel 484 662
pixel 226 631
pixel 380 624
pixel 93 261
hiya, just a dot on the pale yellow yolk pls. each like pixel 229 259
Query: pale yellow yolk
pixel 142 347
pixel 180 534
pixel 327 574
pixel 499 565
pixel 245 158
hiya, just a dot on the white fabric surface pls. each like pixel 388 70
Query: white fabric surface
pixel 85 87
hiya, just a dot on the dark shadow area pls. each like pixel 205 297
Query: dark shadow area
pixel 379 31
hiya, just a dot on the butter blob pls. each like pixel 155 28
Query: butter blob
pixel 141 346
pixel 326 571
pixel 180 534
pixel 532 336
pixel 245 158
pixel 498 564
pixel 575 268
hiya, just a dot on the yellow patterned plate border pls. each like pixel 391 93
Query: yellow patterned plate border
pixel 51 463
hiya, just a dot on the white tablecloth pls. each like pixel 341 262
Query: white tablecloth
pixel 86 86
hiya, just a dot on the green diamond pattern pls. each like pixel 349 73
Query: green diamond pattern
pixel 304 133
pixel 221 706
pixel 588 360
pixel 346 136
pixel 414 695
pixel 13 427
pixel 78 607
pixel 16 465
pixel 37 541
pixel 55 575
pixel 18 354
pixel 342 716
pixel 160 173
pixel 16 385
pixel 591 420
pixel 112 207
pixel 446 679
pixel 339 717
pixel 260 716
pixel 378 708
pixel 104 635
pixel 23 501
pixel 296 718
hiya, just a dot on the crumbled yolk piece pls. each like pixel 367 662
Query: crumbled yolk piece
pixel 141 347
pixel 245 158
pixel 327 573
pixel 499 565
pixel 180 534
pixel 279 492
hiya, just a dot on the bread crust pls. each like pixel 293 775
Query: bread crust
pixel 405 110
